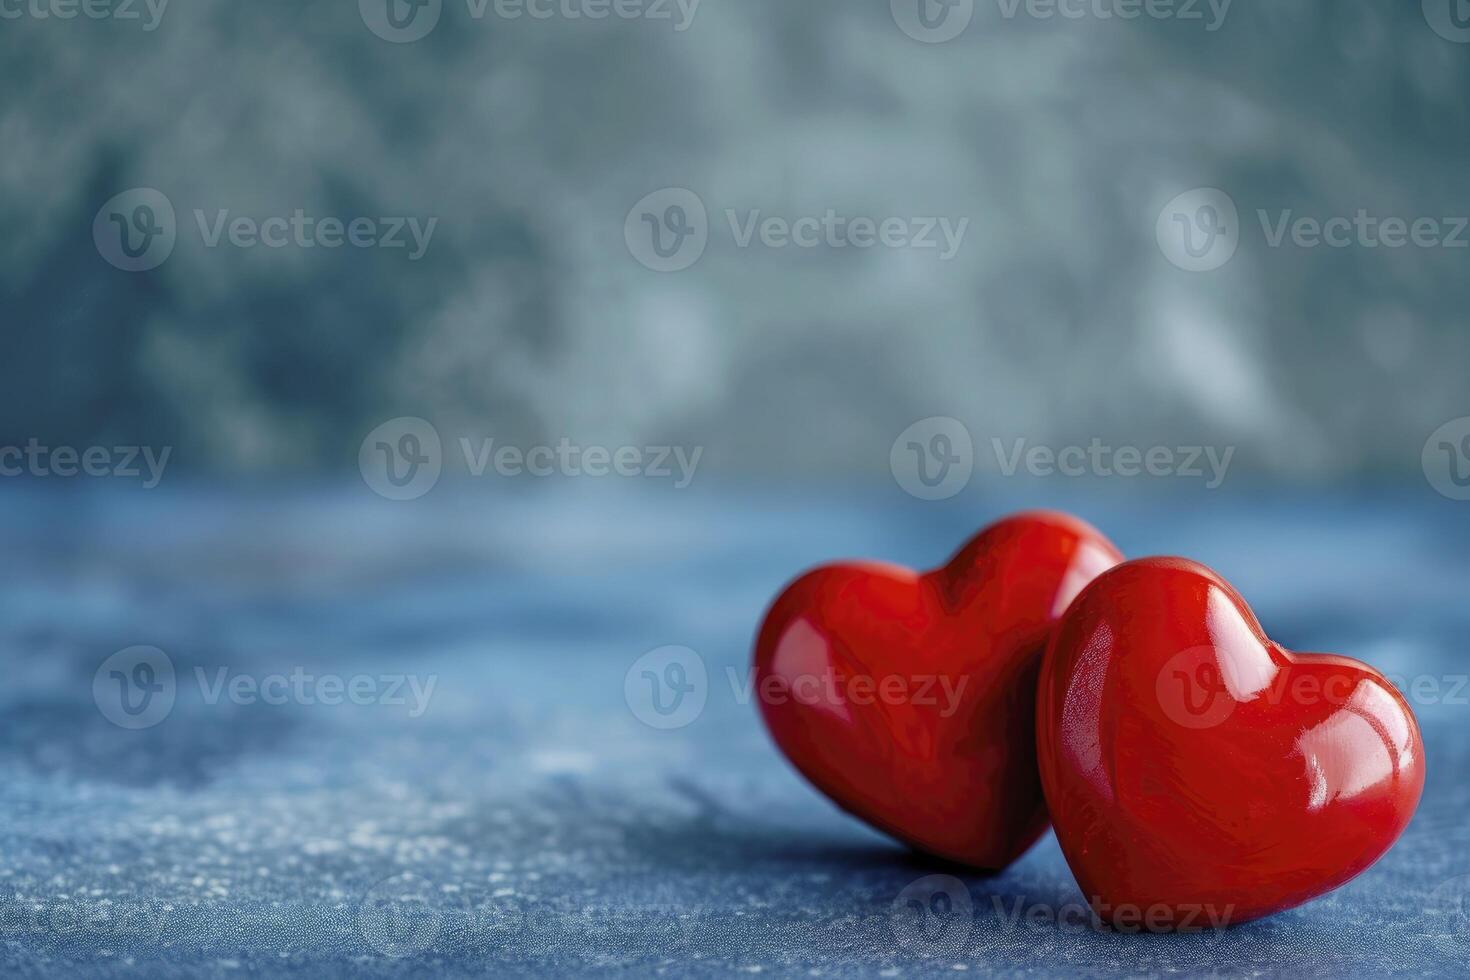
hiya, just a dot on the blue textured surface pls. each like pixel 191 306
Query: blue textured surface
pixel 527 822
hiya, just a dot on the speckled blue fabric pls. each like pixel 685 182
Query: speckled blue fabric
pixel 526 821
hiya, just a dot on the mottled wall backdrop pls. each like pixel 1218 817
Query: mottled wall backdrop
pixel 973 201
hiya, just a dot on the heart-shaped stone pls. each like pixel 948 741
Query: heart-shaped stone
pixel 909 698
pixel 1198 773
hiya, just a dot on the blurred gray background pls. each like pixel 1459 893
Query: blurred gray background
pixel 528 319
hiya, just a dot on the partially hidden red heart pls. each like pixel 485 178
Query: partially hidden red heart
pixel 1199 773
pixel 909 698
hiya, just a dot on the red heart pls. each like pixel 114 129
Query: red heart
pixel 909 698
pixel 1198 770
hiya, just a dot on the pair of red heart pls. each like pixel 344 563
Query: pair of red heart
pixel 1187 762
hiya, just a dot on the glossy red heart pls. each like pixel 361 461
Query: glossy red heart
pixel 1197 770
pixel 909 698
